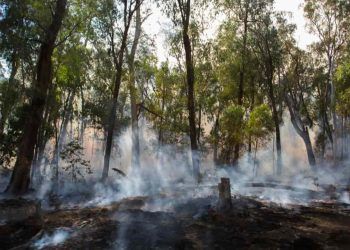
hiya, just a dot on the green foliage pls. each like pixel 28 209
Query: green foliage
pixel 260 124
pixel 263 58
pixel 75 164
pixel 232 124
pixel 11 137
pixel 343 104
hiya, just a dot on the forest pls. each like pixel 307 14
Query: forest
pixel 175 124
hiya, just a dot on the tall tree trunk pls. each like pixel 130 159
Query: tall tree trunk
pixel 332 100
pixel 309 150
pixel 118 62
pixel 276 123
pixel 216 141
pixel 342 138
pixel 186 12
pixel 242 74
pixel 20 178
pixel 82 122
pixel 160 132
pixel 301 130
pixel 42 139
pixel 135 155
pixel 199 129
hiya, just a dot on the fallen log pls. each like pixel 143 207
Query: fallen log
pixel 327 190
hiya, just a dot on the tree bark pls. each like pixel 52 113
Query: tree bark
pixel 276 123
pixel 309 150
pixel 301 130
pixel 118 62
pixel 185 9
pixel 20 178
pixel 242 74
pixel 135 156
pixel 216 141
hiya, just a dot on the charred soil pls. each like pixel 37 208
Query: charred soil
pixel 190 224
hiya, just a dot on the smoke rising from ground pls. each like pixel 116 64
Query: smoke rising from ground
pixel 167 169
pixel 54 239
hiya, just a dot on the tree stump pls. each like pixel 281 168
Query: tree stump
pixel 225 202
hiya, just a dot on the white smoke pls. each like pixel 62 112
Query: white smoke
pixel 57 237
pixel 167 169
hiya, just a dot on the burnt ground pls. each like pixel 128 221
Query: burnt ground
pixel 191 224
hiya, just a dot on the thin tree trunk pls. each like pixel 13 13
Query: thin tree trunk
pixel 199 125
pixel 118 67
pixel 309 150
pixel 302 131
pixel 255 171
pixel 135 156
pixel 185 13
pixel 277 125
pixel 241 76
pixel 216 141
pixel 82 122
pixel 160 132
pixel 20 178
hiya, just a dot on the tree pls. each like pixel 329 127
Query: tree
pixel 342 83
pixel 298 97
pixel 17 49
pixel 259 127
pixel 232 127
pixel 269 54
pixel 129 8
pixel 20 178
pixel 244 13
pixel 135 158
pixel 181 11
pixel 329 20
pixel 73 156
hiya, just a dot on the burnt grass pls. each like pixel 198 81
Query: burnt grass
pixel 191 224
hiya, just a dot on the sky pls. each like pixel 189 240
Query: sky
pixel 157 24
pixel 302 35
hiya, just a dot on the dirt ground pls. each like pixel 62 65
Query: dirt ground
pixel 135 223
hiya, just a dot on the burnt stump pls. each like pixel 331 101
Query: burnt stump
pixel 225 201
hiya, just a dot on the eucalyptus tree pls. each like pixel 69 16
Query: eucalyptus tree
pixel 112 12
pixel 244 13
pixel 181 14
pixel 70 72
pixel 71 65
pixel 166 102
pixel 330 21
pixel 20 178
pixel 298 92
pixel 259 127
pixel 18 47
pixel 133 90
pixel 342 83
pixel 268 49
